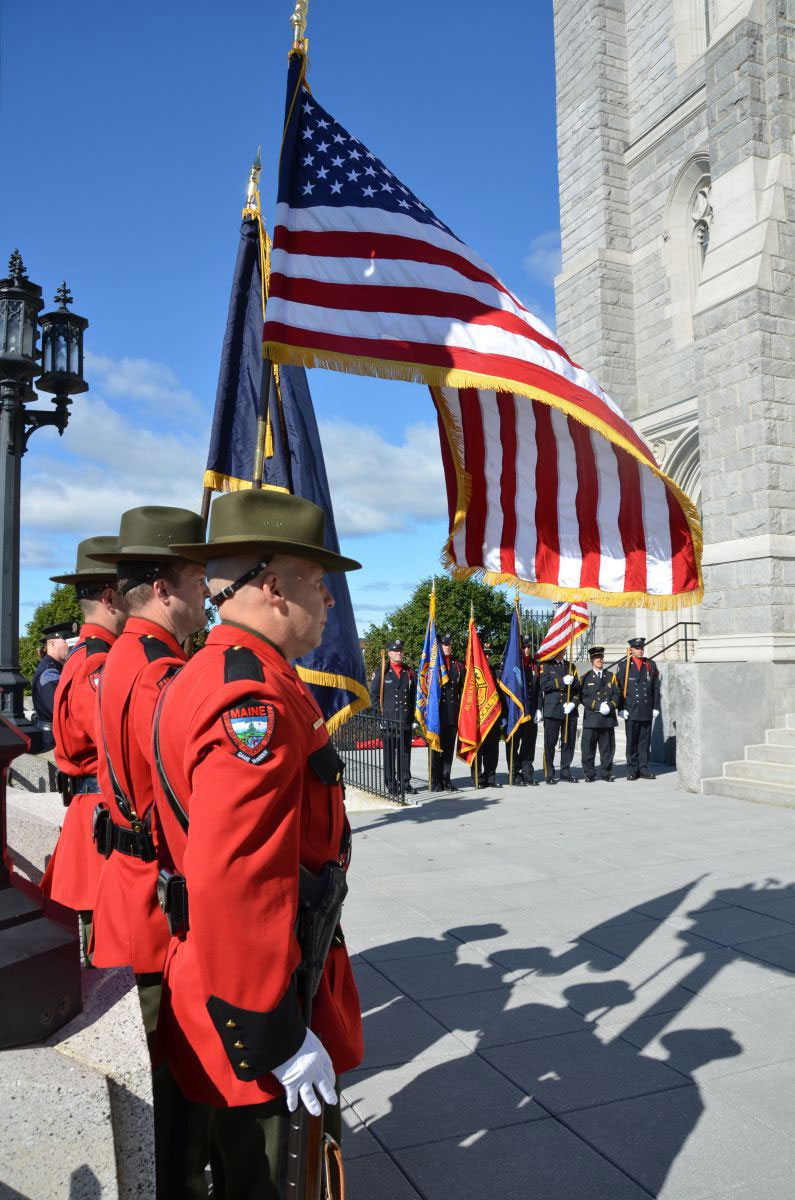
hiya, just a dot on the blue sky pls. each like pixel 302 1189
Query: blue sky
pixel 127 133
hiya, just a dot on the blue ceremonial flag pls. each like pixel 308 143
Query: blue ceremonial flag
pixel 235 434
pixel 512 680
pixel 430 678
pixel 279 443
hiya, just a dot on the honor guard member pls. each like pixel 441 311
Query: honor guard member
pixel 527 733
pixel 560 690
pixel 251 801
pixel 449 704
pixel 488 755
pixel 600 696
pixel 393 690
pixel 73 871
pixel 164 593
pixel 46 677
pixel 640 686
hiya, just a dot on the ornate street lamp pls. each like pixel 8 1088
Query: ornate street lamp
pixel 39 958
pixel 61 374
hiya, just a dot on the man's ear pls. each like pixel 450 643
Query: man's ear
pixel 271 586
pixel 160 588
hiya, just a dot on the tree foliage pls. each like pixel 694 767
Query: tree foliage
pixel 492 610
pixel 62 605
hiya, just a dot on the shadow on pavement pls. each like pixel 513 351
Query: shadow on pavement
pixel 478 1083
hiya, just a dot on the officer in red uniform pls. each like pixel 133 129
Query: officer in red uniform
pixel 164 594
pixel 73 871
pixel 249 788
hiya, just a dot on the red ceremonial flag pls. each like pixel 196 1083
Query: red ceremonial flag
pixel 569 622
pixel 480 701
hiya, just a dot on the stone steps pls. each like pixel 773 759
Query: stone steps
pixel 766 775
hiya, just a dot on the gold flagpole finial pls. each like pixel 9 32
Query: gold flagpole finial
pixel 298 22
pixel 252 190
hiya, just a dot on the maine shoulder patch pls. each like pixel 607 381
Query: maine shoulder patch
pixel 93 678
pixel 249 725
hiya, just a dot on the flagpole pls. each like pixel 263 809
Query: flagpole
pixel 568 694
pixel 430 602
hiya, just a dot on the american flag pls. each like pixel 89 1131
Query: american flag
pixel 536 496
pixel 569 622
pixel 366 278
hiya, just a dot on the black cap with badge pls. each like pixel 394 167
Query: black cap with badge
pixel 396 645
pixel 637 643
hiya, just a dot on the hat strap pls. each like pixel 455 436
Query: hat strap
pixel 230 589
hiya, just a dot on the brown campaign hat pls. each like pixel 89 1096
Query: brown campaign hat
pixel 263 521
pixel 150 533
pixel 87 570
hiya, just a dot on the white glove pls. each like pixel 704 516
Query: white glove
pixel 604 709
pixel 655 712
pixel 568 706
pixel 624 714
pixel 309 1069
pixel 567 679
pixel 538 716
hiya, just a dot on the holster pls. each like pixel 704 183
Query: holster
pixel 65 786
pixel 172 896
pixel 102 830
pixel 320 900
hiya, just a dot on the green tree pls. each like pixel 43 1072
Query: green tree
pixel 62 605
pixel 492 609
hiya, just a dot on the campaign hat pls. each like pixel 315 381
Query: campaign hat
pixel 150 534
pixel 266 522
pixel 87 571
pixel 596 652
pixel 637 643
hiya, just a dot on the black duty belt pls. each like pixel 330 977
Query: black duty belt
pixel 84 783
pixel 107 836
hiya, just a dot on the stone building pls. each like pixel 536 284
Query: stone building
pixel 677 291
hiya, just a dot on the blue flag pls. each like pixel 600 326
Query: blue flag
pixel 286 434
pixel 512 680
pixel 431 675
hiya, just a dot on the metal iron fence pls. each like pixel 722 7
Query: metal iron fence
pixel 371 747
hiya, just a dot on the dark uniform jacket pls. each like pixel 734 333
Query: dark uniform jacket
pixel 643 689
pixel 400 693
pixel 532 680
pixel 43 687
pixel 596 690
pixel 245 748
pixel 450 699
pixel 554 691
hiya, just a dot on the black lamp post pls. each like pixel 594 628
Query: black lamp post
pixel 39 957
pixel 60 373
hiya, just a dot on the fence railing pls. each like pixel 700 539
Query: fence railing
pixel 377 754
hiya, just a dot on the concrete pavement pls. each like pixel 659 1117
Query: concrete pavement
pixel 581 993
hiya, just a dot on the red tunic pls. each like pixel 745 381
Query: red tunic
pixel 129 928
pixel 73 871
pixel 245 749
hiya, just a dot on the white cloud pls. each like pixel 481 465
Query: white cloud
pixel 377 485
pixel 35 552
pixel 140 380
pixel 542 261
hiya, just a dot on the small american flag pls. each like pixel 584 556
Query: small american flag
pixel 569 622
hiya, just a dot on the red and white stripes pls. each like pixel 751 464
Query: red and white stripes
pixel 539 499
pixel 569 622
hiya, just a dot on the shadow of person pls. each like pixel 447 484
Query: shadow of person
pixel 84 1185
pixel 440 808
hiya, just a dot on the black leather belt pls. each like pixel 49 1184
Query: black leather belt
pixel 134 843
pixel 81 784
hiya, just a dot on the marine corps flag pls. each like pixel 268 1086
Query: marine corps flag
pixel 512 679
pixel 265 433
pixel 430 678
pixel 480 701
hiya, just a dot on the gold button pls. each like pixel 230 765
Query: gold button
pixel 243 1065
pixel 238 1045
pixel 231 1024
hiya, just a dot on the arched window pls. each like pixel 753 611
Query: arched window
pixel 687 222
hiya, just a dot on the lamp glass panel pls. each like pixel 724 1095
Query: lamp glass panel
pixel 74 355
pixel 28 330
pixel 13 326
pixel 61 349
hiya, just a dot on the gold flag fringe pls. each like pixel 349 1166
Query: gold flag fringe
pixel 344 683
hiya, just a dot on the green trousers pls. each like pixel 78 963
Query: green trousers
pixel 248 1149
